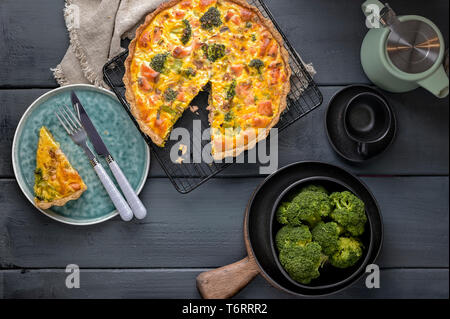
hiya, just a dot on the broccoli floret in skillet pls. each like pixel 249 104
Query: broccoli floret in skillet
pixel 348 252
pixel 349 212
pixel 289 236
pixel 307 207
pixel 211 19
pixel 327 236
pixel 288 213
pixel 314 188
pixel 281 213
pixel 302 263
pixel 313 206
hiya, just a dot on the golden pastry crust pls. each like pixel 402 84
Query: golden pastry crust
pixel 60 201
pixel 221 145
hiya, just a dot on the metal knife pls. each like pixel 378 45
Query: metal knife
pixel 133 200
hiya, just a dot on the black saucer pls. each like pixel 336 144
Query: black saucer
pixel 334 124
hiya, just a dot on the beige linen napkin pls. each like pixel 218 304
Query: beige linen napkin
pixel 95 30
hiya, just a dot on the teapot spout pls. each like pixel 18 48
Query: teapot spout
pixel 436 83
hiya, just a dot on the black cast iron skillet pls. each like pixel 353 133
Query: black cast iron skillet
pixel 259 226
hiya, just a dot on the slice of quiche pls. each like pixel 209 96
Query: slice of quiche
pixel 55 180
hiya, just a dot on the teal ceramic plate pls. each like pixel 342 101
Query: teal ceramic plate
pixel 119 134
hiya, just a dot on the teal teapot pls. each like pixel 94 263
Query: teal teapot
pixel 401 53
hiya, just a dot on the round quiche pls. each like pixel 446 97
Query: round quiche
pixel 185 45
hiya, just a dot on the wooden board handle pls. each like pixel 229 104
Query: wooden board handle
pixel 226 281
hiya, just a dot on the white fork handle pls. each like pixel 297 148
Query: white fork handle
pixel 133 200
pixel 117 198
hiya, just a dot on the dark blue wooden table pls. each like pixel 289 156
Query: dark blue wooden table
pixel 187 234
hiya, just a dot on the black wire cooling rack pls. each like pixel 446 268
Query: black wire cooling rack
pixel 303 98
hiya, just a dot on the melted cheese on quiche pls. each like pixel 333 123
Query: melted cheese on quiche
pixel 237 55
pixel 54 178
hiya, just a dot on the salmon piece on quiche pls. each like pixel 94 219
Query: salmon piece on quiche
pixel 55 180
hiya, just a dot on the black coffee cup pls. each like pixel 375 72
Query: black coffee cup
pixel 367 120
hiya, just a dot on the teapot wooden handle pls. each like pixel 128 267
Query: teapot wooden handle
pixel 226 281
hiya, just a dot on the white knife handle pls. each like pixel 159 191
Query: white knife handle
pixel 133 200
pixel 117 198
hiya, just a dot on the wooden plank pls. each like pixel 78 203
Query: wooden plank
pixel 180 283
pixel 33 39
pixel 204 228
pixel 421 147
pixel 333 46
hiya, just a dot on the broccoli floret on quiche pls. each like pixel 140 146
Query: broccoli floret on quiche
pixel 256 64
pixel 231 91
pixel 211 19
pixel 228 116
pixel 189 72
pixel 158 62
pixel 187 32
pixel 214 51
pixel 170 94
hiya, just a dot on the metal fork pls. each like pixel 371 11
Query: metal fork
pixel 78 135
